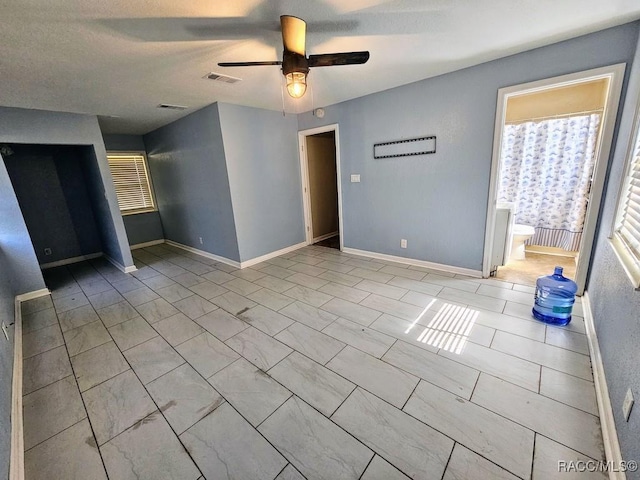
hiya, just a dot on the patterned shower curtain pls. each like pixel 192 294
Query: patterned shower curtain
pixel 546 169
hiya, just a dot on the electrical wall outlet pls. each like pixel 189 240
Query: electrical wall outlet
pixel 355 178
pixel 200 238
pixel 627 405
pixel 47 251
pixel 403 243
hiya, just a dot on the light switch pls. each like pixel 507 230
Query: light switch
pixel 355 178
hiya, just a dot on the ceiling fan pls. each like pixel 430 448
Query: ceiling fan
pixel 295 63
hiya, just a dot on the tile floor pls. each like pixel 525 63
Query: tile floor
pixel 316 364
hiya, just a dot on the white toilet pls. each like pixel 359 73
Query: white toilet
pixel 521 233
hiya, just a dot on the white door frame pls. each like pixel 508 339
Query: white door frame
pixel 304 174
pixel 615 74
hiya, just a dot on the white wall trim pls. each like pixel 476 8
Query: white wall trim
pixel 119 266
pixel 68 261
pixel 607 422
pixel 146 244
pixel 277 253
pixel 418 263
pixel 324 237
pixel 31 295
pixel 212 256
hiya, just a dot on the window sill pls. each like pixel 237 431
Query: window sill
pixel 137 212
pixel 627 260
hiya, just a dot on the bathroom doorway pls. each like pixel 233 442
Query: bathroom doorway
pixel 551 146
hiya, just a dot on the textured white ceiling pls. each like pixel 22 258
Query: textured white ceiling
pixel 119 59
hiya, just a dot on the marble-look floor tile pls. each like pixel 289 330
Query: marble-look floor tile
pixel 515 370
pixel 158 281
pixel 500 440
pixel 41 340
pixel 380 469
pixel 40 319
pixel 562 423
pixel 409 332
pixel 36 304
pixel 65 289
pixel 97 365
pixel 310 342
pixel 279 261
pixel 274 283
pixel 157 310
pixel 226 446
pixel 543 354
pixel 117 313
pixel 208 290
pixel 50 410
pixel 194 306
pixel 393 307
pixel 184 397
pixel 265 319
pixel 233 303
pixel 351 311
pixel 363 338
pixel 441 280
pixel 307 295
pixel 506 294
pixel 363 263
pixel 568 389
pixel 251 391
pixel 260 349
pixel 370 274
pixel 506 323
pixel 276 271
pixel 546 460
pixel 77 317
pixel 416 286
pixel 335 266
pixel 568 340
pixel 382 379
pixel 241 286
pixel 343 279
pixel 382 289
pixel 273 300
pixel 70 302
pixel 86 337
pixel 290 473
pixel 149 449
pixel 440 371
pixel 472 299
pixel 140 296
pixel 207 354
pixel 467 465
pixel 318 386
pixel 152 359
pixel 127 285
pixel 177 329
pixel 105 299
pixel 248 274
pixel 313 444
pixel 345 293
pixel 117 404
pixel 98 286
pixel 310 316
pixel 411 446
pixel 221 324
pixel 173 293
pixel 307 259
pixel 71 455
pixel 218 276
pixel 44 369
pixel 188 279
pixel 131 333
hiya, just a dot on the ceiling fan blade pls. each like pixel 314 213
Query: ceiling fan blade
pixel 294 32
pixel 330 59
pixel 247 64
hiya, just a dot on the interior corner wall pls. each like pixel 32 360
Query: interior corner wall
pixel 614 302
pixel 19 273
pixel 19 125
pixel 264 177
pixel 189 174
pixel 438 202
pixel 140 227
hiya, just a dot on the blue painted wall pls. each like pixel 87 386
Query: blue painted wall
pixel 264 176
pixel 19 273
pixel 41 127
pixel 189 172
pixel 614 302
pixel 439 202
pixel 140 227
pixel 50 186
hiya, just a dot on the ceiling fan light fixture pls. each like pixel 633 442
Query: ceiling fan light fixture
pixel 296 84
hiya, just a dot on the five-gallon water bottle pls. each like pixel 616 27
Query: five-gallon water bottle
pixel 554 298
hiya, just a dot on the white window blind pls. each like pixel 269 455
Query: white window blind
pixel 131 180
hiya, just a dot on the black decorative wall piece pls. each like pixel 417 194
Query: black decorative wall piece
pixel 405 148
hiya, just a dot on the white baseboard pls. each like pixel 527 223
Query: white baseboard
pixel 69 261
pixel 609 433
pixel 31 295
pixel 418 263
pixel 212 256
pixel 277 253
pixel 324 237
pixel 119 266
pixel 146 244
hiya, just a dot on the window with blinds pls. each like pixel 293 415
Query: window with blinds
pixel 626 238
pixel 131 179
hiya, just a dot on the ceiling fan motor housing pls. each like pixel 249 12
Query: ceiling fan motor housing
pixel 294 62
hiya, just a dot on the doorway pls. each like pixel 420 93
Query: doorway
pixel 551 148
pixel 320 172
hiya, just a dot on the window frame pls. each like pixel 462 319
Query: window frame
pixel 629 259
pixel 143 154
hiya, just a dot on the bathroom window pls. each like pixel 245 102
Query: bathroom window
pixel 132 182
pixel 626 234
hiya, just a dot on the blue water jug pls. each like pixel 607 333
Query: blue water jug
pixel 554 298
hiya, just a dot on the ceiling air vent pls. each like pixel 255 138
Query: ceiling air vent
pixel 169 106
pixel 218 77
